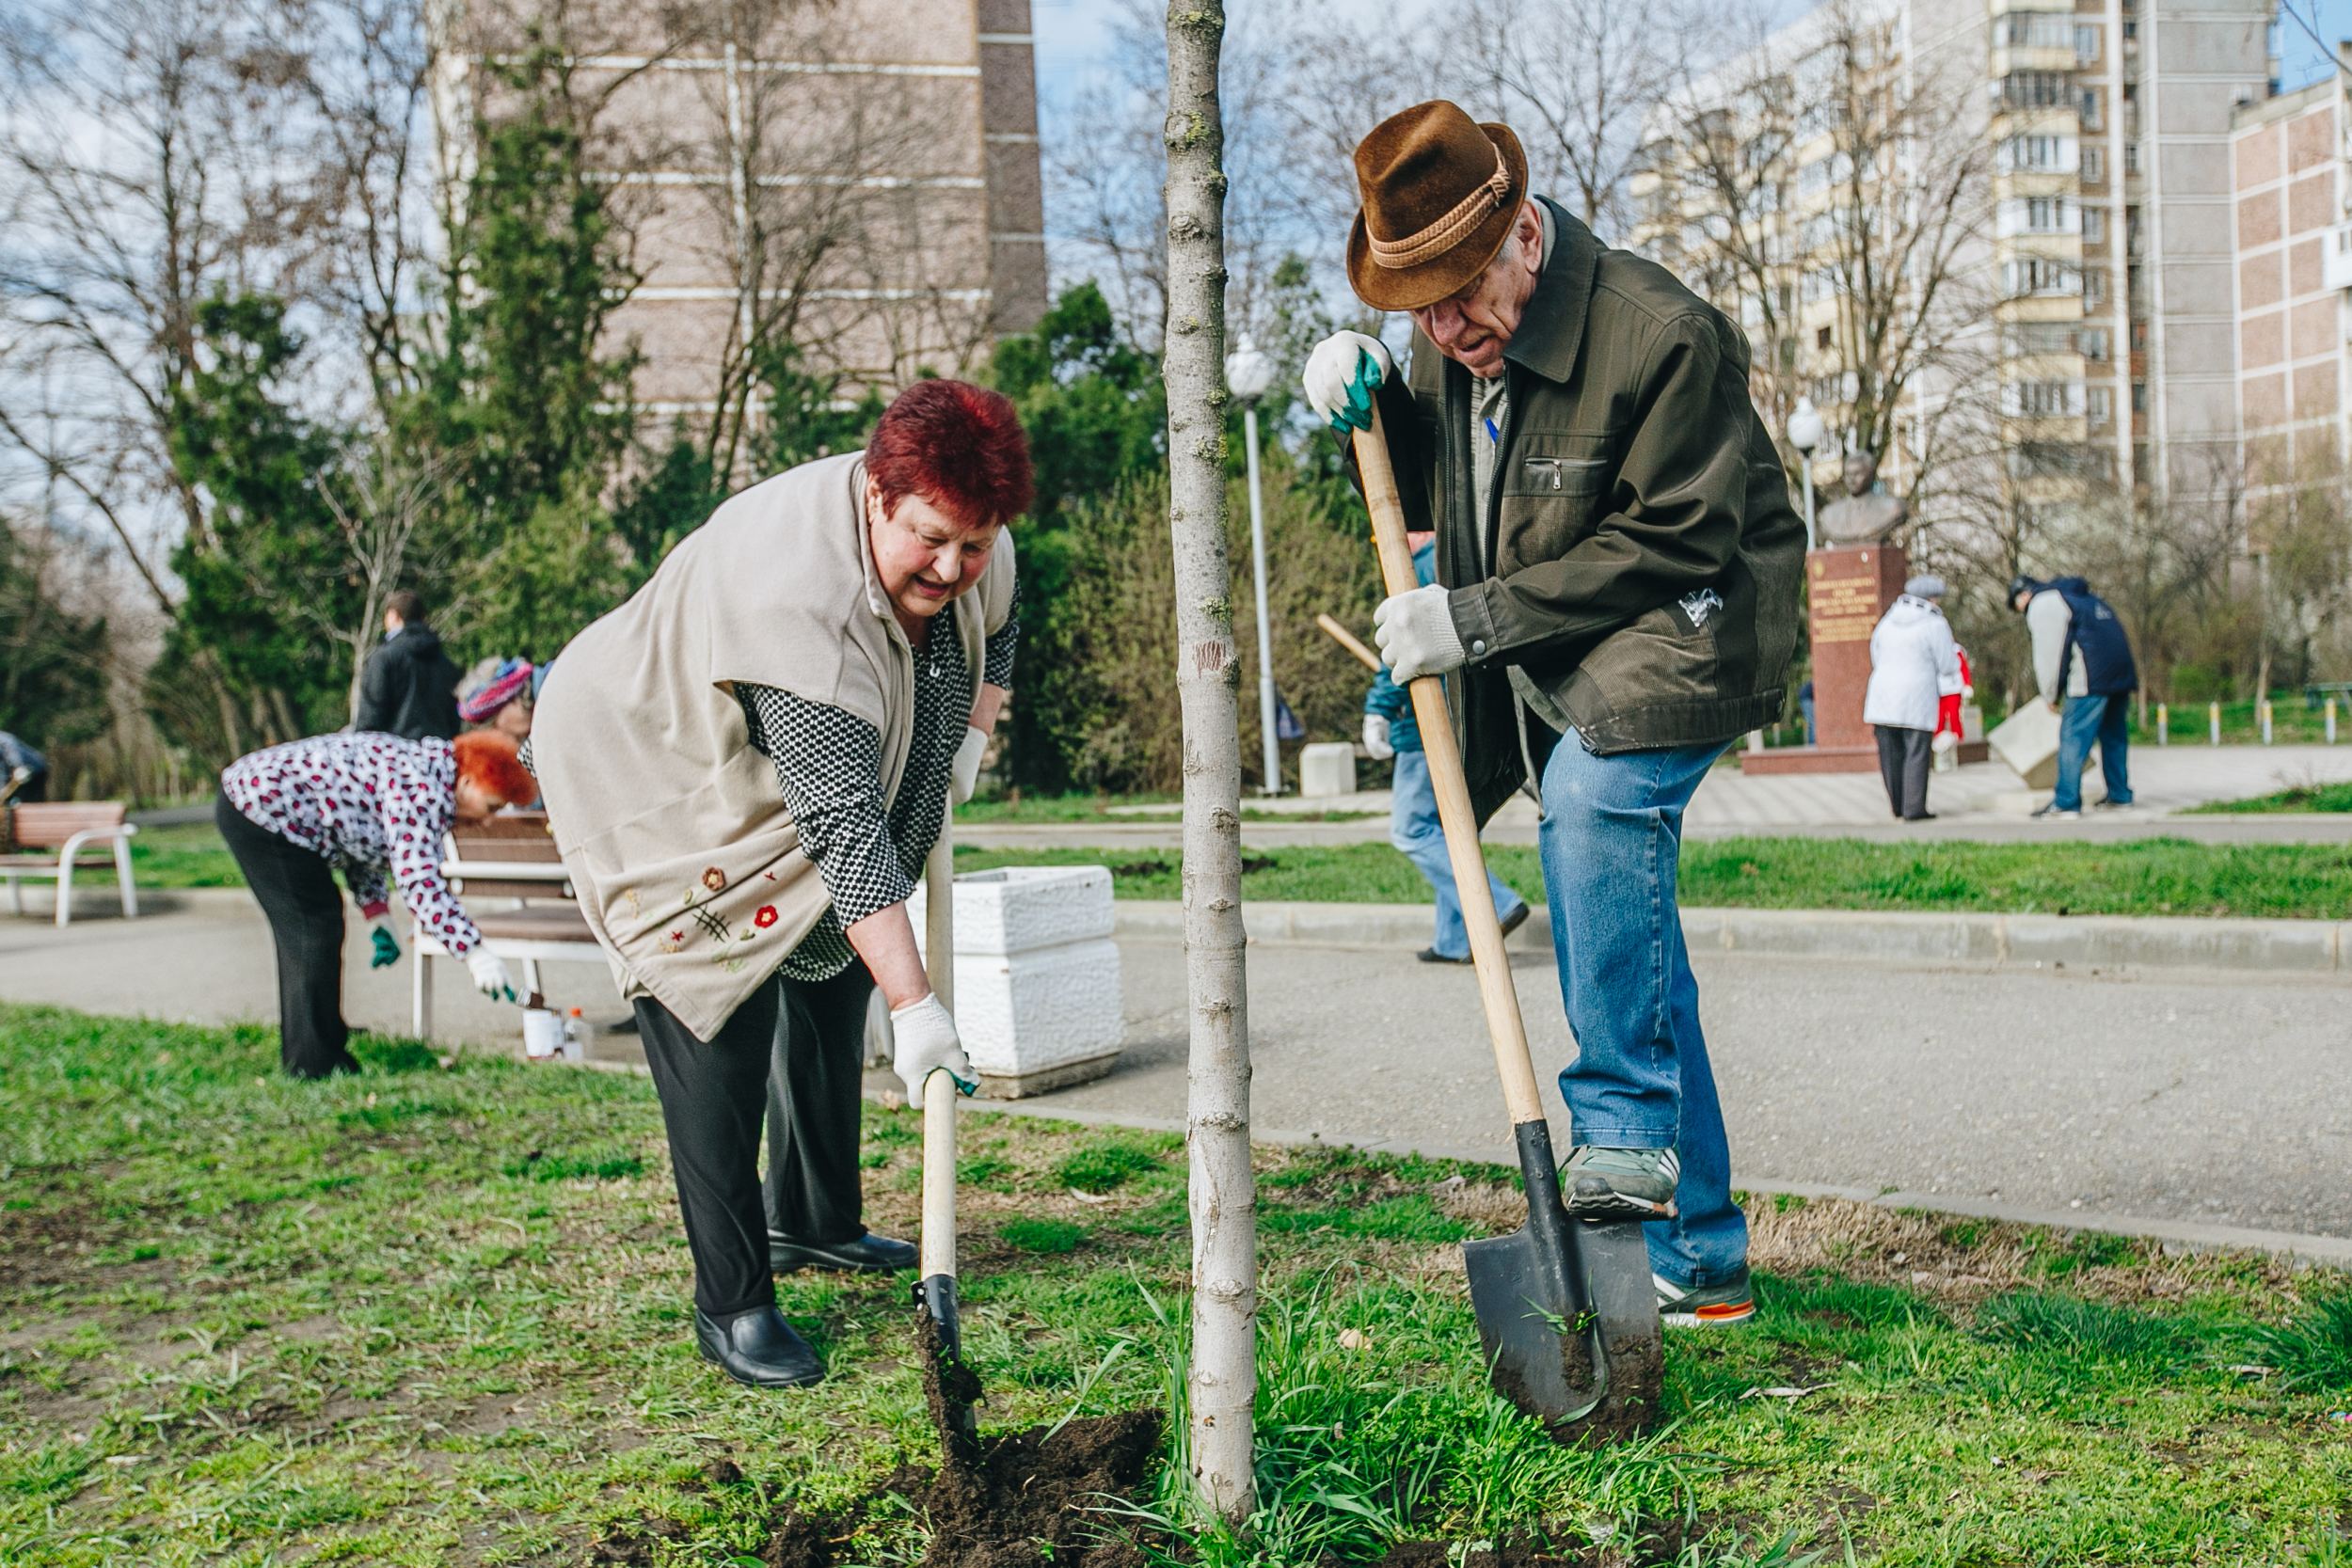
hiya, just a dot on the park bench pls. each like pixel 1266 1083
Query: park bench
pixel 54 838
pixel 2316 693
pixel 511 879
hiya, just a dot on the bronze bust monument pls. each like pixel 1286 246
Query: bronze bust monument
pixel 1862 517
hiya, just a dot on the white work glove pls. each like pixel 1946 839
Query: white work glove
pixel 1340 376
pixel 489 975
pixel 967 765
pixel 1416 634
pixel 1376 737
pixel 384 947
pixel 923 1037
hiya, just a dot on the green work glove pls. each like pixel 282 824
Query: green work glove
pixel 1342 376
pixel 385 945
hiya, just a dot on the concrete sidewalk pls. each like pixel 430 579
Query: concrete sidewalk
pixel 2215 1102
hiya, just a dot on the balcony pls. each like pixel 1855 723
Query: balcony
pixel 2335 257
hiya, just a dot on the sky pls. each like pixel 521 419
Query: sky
pixel 2301 61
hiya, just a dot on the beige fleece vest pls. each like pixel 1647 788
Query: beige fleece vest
pixel 687 864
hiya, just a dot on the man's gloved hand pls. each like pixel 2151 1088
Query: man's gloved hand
pixel 1416 634
pixel 1376 737
pixel 385 945
pixel 489 975
pixel 1340 376
pixel 923 1037
pixel 968 764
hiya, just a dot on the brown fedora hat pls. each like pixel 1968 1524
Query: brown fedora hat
pixel 1441 193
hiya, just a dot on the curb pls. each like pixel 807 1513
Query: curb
pixel 2315 947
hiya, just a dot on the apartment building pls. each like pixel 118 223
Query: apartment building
pixel 859 179
pixel 2293 265
pixel 2086 328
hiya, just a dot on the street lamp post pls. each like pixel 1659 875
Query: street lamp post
pixel 1248 375
pixel 1805 434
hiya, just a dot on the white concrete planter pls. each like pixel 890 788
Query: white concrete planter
pixel 1037 976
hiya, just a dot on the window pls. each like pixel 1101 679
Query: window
pixel 2089 108
pixel 1823 337
pixel 2093 340
pixel 2031 338
pixel 2038 275
pixel 2098 405
pixel 2086 43
pixel 2094 287
pixel 2094 224
pixel 2131 29
pixel 2036 89
pixel 2131 157
pixel 2051 154
pixel 2045 214
pixel 2042 400
pixel 2036 30
pixel 2139 397
pixel 2139 336
pixel 2094 166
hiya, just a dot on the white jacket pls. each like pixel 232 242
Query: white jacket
pixel 2050 618
pixel 1913 661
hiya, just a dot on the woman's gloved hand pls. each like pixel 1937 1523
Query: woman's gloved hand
pixel 385 945
pixel 1340 376
pixel 489 975
pixel 1376 737
pixel 967 765
pixel 923 1037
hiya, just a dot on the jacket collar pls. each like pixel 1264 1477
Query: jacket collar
pixel 1552 330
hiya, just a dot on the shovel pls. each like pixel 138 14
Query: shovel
pixel 954 1388
pixel 1566 1311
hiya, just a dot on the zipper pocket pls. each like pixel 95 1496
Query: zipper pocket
pixel 1557 471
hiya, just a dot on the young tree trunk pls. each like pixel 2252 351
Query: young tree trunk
pixel 1223 1382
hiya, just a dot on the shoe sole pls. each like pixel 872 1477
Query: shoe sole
pixel 1720 1315
pixel 1618 1206
pixel 811 1261
pixel 703 1351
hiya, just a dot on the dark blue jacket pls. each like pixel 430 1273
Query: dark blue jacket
pixel 2108 667
pixel 1387 699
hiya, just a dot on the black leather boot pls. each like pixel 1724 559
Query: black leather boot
pixel 868 1253
pixel 758 1348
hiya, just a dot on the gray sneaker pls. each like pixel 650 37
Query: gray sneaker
pixel 1705 1305
pixel 1620 1183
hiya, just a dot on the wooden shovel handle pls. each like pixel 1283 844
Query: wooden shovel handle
pixel 1504 1026
pixel 939 1089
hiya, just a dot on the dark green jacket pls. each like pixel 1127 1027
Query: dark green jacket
pixel 1647 556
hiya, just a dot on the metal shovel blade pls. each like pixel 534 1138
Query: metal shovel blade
pixel 1566 1311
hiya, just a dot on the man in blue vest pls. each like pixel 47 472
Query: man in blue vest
pixel 2081 657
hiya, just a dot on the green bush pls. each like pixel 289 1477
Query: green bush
pixel 2315 1349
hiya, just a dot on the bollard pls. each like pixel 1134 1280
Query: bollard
pixel 2265 712
pixel 2331 721
pixel 2213 717
pixel 2163 725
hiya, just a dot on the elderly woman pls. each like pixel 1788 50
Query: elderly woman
pixel 745 766
pixel 361 803
pixel 497 695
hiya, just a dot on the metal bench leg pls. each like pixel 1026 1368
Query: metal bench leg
pixel 16 897
pixel 421 998
pixel 122 875
pixel 530 979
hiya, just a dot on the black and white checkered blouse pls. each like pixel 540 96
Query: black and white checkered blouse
pixel 829 768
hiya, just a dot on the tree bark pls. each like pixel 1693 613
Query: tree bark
pixel 1223 1378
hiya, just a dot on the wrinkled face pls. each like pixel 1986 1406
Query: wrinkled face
pixel 514 719
pixel 475 803
pixel 924 557
pixel 1474 325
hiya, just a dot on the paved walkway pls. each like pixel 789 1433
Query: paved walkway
pixel 2166 781
pixel 2220 1099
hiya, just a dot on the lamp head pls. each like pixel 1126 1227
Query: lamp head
pixel 1805 428
pixel 1248 373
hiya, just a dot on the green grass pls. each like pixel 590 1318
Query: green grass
pixel 187 856
pixel 245 1321
pixel 2333 797
pixel 2144 876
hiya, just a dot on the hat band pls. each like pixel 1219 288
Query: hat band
pixel 1449 231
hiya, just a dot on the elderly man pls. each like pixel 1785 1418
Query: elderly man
pixel 1616 600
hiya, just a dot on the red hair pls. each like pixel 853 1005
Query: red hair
pixel 957 446
pixel 491 760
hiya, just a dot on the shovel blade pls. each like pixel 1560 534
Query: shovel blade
pixel 1528 1327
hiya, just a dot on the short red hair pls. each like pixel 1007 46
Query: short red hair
pixel 957 446
pixel 491 759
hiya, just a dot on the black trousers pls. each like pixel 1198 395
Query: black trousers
pixel 297 890
pixel 794 1052
pixel 1903 756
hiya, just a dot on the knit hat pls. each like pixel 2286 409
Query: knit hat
pixel 512 680
pixel 1926 586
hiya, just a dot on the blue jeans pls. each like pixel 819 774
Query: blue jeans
pixel 1413 828
pixel 2085 719
pixel 1611 838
